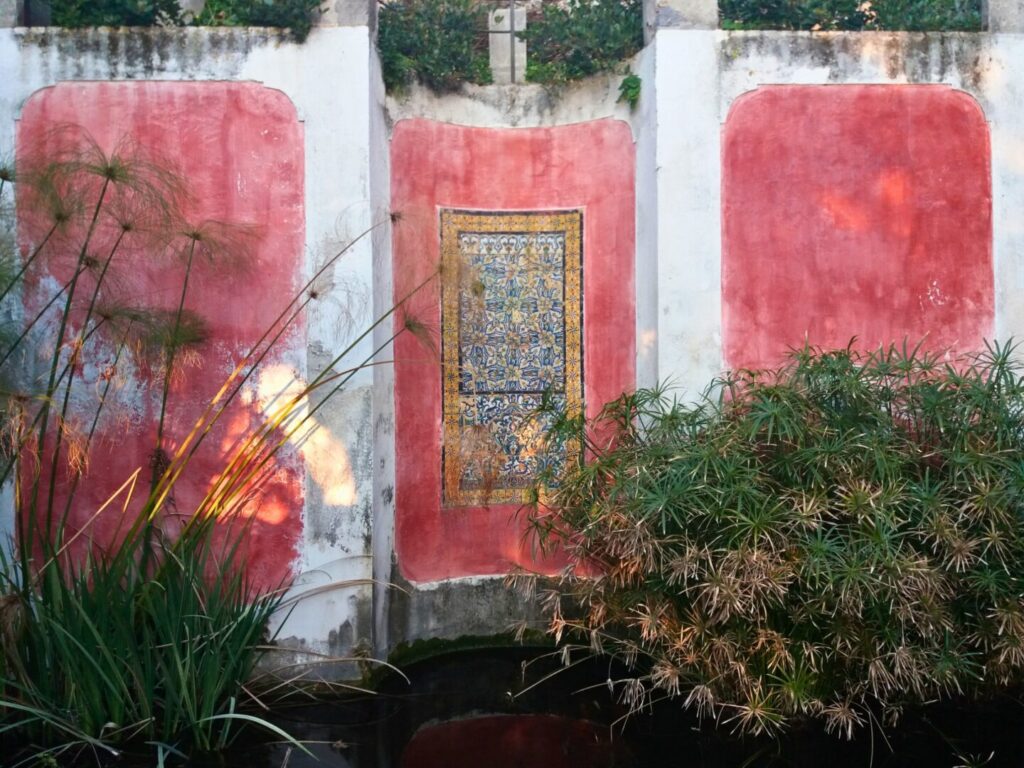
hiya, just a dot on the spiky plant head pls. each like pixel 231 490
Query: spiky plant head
pixel 69 181
pixel 808 542
pixel 155 334
pixel 421 331
pixel 230 245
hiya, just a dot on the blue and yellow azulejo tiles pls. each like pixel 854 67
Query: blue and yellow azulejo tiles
pixel 511 321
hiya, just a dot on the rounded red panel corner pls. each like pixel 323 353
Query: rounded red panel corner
pixel 239 151
pixel 855 211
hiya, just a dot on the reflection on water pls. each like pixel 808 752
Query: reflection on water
pixel 481 708
pixel 514 741
pixel 505 709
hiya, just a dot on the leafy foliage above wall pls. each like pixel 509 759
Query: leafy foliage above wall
pixel 296 15
pixel 953 15
pixel 579 39
pixel 440 43
pixel 113 13
pixel 444 43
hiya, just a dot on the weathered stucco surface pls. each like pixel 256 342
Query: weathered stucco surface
pixel 344 553
pixel 238 147
pixel 330 556
pixel 586 166
pixel 698 77
pixel 855 212
pixel 526 105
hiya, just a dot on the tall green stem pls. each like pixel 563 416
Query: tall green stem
pixel 27 263
pixel 75 352
pixel 33 322
pixel 55 363
pixel 171 353
pixel 92 431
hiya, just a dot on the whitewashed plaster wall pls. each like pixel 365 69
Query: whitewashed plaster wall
pixel 329 80
pixel 483 605
pixel 691 78
pixel 698 76
pixel 383 530
pixel 688 334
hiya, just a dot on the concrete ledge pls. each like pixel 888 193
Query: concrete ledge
pixel 1003 15
pixel 452 609
pixel 12 13
pixel 679 14
pixel 347 13
pixel 523 105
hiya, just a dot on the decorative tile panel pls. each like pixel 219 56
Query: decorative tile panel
pixel 511 331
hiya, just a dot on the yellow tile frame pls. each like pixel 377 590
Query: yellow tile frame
pixel 454 222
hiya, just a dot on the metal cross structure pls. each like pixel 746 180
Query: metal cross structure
pixel 507 63
pixel 512 37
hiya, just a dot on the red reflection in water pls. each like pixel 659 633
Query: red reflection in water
pixel 514 741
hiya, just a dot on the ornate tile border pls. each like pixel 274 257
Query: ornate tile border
pixel 511 318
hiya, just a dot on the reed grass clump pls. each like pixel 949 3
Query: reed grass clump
pixel 132 621
pixel 827 542
pixel 105 651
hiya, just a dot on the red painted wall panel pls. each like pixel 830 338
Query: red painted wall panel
pixel 855 211
pixel 588 166
pixel 239 147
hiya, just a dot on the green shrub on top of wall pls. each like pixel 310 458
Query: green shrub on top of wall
pixel 113 13
pixel 296 15
pixel 439 43
pixel 444 43
pixel 952 15
pixel 581 39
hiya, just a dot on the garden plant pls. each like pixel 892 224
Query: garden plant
pixel 577 39
pixel 828 542
pixel 952 15
pixel 444 43
pixel 149 635
pixel 439 43
pixel 296 15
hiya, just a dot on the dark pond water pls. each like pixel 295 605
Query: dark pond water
pixel 504 709
pixel 485 710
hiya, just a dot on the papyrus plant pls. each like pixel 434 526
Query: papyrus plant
pixel 142 631
pixel 840 537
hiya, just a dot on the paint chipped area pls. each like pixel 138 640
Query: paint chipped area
pixel 281 395
pixel 239 149
pixel 855 211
